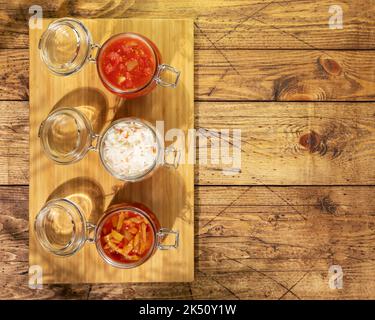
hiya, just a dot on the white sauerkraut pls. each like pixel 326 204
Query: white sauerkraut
pixel 130 149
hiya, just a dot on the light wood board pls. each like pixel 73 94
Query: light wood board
pixel 169 193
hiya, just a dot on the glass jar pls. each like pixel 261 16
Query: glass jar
pixel 128 64
pixel 67 135
pixel 61 229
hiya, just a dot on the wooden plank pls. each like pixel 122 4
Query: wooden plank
pixel 251 243
pixel 256 24
pixel 85 91
pixel 290 143
pixel 14 75
pixel 14 281
pixel 243 75
pixel 275 148
pixel 14 142
pixel 285 75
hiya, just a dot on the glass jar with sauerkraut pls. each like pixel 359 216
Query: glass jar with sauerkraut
pixel 130 149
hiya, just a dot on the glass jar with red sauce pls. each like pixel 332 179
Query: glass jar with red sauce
pixel 126 236
pixel 128 64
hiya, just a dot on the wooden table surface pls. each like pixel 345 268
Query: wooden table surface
pixel 303 95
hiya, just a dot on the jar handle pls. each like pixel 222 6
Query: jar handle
pixel 94 137
pixel 40 129
pixel 163 83
pixel 160 236
pixel 89 228
pixel 94 46
pixel 176 157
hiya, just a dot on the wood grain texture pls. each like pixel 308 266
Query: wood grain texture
pixel 256 24
pixel 273 150
pixel 14 75
pixel 285 75
pixel 88 183
pixel 262 242
pixel 251 243
pixel 278 145
pixel 248 75
pixel 14 142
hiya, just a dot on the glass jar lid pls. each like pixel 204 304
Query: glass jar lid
pixel 65 46
pixel 60 227
pixel 66 135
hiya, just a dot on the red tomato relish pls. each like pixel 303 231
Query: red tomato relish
pixel 127 63
pixel 126 237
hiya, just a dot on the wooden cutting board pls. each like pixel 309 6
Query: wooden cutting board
pixel 169 193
